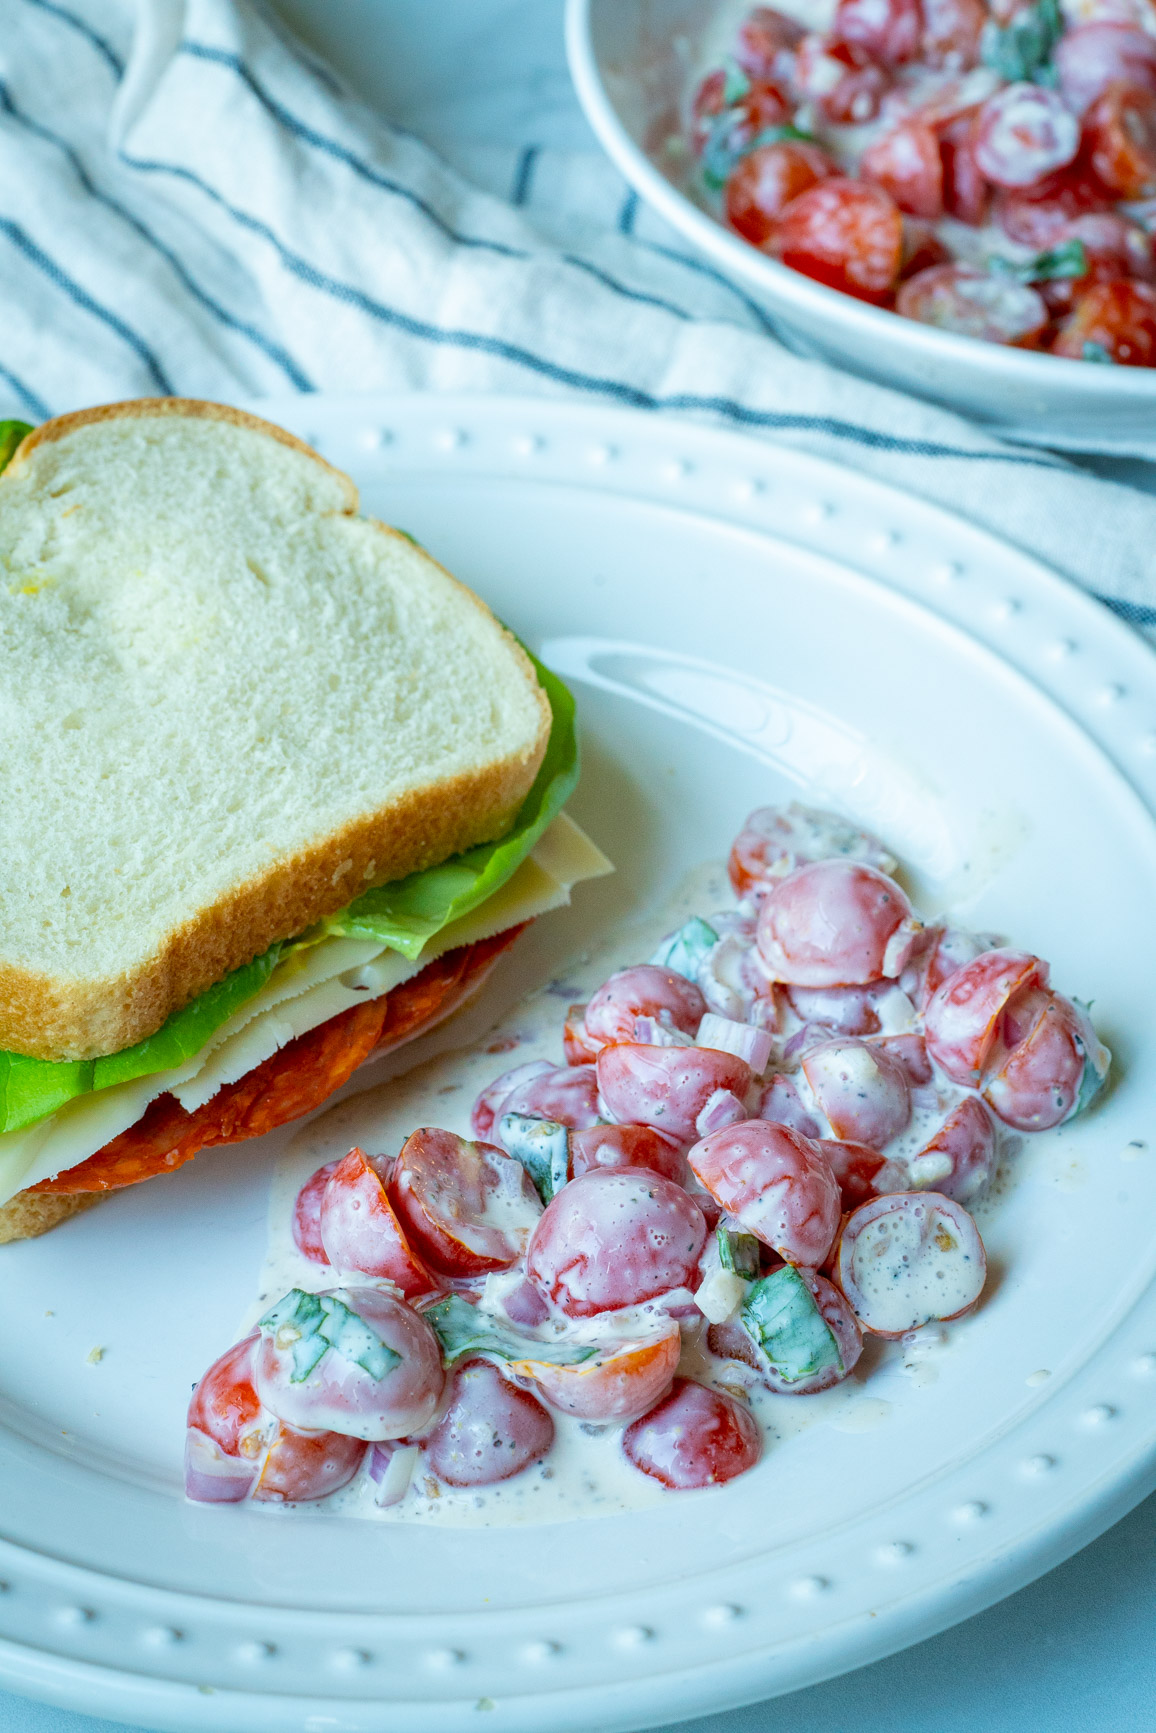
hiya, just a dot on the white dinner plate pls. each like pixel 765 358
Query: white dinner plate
pixel 740 623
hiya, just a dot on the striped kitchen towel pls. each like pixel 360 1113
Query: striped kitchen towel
pixel 190 203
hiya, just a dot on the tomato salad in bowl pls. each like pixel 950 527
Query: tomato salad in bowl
pixel 986 167
pixel 755 1150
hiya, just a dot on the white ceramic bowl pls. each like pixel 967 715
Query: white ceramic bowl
pixel 634 63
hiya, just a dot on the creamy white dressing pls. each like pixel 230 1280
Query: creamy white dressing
pixel 585 1473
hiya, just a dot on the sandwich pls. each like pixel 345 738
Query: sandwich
pixel 277 792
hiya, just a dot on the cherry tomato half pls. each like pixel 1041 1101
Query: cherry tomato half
pixel 361 1234
pixel 490 1431
pixel 667 1087
pixel 615 1238
pixel 643 991
pixel 765 181
pixel 846 234
pixel 835 923
pixel 1113 321
pixel 623 1379
pixel 466 1208
pixel 695 1437
pixel 776 1183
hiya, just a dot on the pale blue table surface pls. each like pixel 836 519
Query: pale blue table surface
pixel 1076 1651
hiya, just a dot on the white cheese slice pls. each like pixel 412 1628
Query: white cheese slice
pixel 305 991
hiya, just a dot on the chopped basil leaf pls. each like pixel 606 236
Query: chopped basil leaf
pixel 311 1324
pixel 1097 352
pixel 783 1317
pixel 686 950
pixel 736 84
pixel 1022 50
pixel 542 1146
pixel 462 1329
pixel 1068 260
pixel 725 145
pixel 738 1253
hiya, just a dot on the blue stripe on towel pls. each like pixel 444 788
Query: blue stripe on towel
pixel 36 404
pixel 76 293
pixel 103 48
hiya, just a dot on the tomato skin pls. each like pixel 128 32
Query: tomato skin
pixel 1115 248
pixel 776 1183
pixel 567 1093
pixel 764 37
pixel 607 1146
pixel 854 1166
pixel 846 234
pixel 667 1087
pixel 863 1090
pixel 965 301
pixel 1025 132
pixel 643 991
pixel 832 923
pixel 225 1406
pixel 1120 132
pixel 966 194
pixel 360 1232
pixel 695 1437
pixel 490 1431
pixel 440 1190
pixel 906 163
pixel 921 248
pixel 1119 318
pixel 1093 56
pixel 1038 216
pixel 338 1395
pixel 889 32
pixel 966 1139
pixel 962 1021
pixel 577 1046
pixel 951 33
pixel 781 1104
pixel 765 181
pixel 306 1224
pixel 614 1238
pixel 305 1465
pixel 1034 1076
pixel 775 840
pixel 624 1380
pixel 490 1104
pixel 843 83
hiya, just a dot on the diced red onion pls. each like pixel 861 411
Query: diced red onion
pixel 651 1033
pixel 721 1108
pixel 741 1039
pixel 211 1477
pixel 391 1467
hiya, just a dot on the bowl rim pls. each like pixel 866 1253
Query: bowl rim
pixel 782 285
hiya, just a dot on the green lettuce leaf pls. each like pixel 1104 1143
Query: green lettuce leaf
pixel 403 917
pixel 11 433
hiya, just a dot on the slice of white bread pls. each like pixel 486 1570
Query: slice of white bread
pixel 228 705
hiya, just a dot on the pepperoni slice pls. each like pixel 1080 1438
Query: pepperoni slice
pixel 1120 131
pixel 906 163
pixel 294 1081
pixel 846 234
pixel 776 1183
pixel 766 180
pixel 889 32
pixel 1024 132
pixel 835 923
pixel 696 1437
pixel 1113 322
pixel 956 298
pixel 1093 56
pixel 490 1431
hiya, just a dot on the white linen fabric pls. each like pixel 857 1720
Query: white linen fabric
pixel 189 203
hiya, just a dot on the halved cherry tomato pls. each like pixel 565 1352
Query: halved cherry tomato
pixel 782 1105
pixel 306 1224
pixel 1092 56
pixel 1025 132
pixel 490 1104
pixel 306 1465
pixel 776 1183
pixel 1038 217
pixel 763 184
pixel 922 248
pixel 565 1093
pixel 855 1167
pixel 466 1208
pixel 225 1405
pixel 958 1160
pixel 844 84
pixel 911 1052
pixel 1114 247
pixel 667 1087
pixel 623 1379
pixel 614 1238
pixel 1112 321
pixel 1120 131
pixel 694 1437
pixel 722 130
pixel 846 234
pixel 843 1010
pixel 360 1232
pixel 643 991
pixel 763 38
pixel 1035 1073
pixel 889 32
pixel 958 298
pixel 906 163
pixel 490 1431
pixel 908 1258
pixel 576 1044
pixel 863 1090
pixel 339 1393
pixel 606 1146
pixel 962 1020
pixel 966 194
pixel 951 33
pixel 939 951
pixel 833 923
pixel 777 839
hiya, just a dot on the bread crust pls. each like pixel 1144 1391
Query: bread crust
pixel 30 1214
pixel 48 1017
